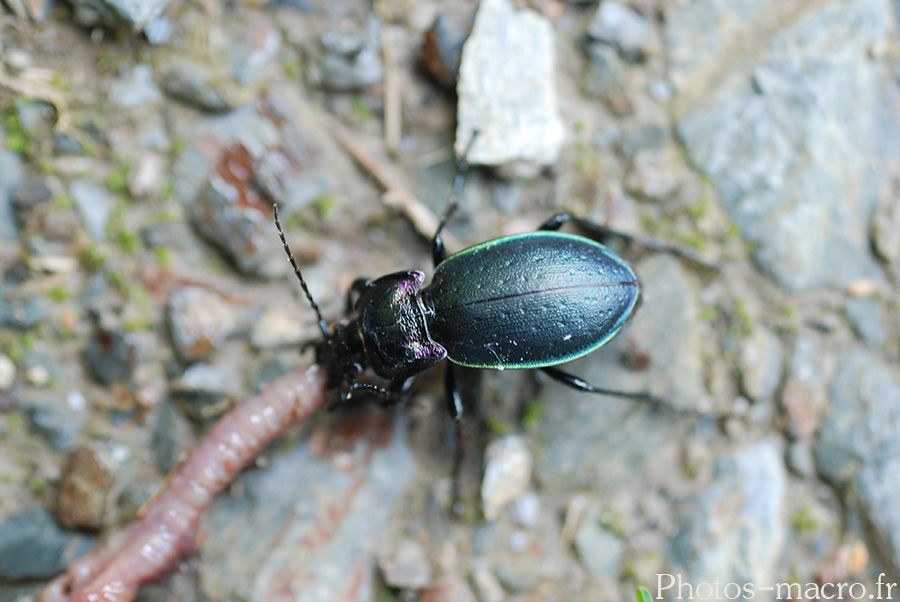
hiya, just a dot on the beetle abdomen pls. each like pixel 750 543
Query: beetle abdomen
pixel 529 301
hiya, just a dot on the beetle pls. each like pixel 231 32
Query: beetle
pixel 532 300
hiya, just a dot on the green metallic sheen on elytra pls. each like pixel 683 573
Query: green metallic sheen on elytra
pixel 528 301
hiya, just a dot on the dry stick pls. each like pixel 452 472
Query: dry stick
pixel 166 531
pixel 396 195
pixel 392 92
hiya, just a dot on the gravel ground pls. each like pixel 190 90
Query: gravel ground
pixel 144 290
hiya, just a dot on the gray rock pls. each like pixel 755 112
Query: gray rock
pixel 85 488
pixel 406 567
pixel 230 214
pixel 510 50
pixel 20 311
pixel 252 52
pixel 199 321
pixel 148 175
pixel 158 31
pixel 292 175
pixel 244 125
pixel 196 85
pixel 791 138
pixel 34 546
pixel 800 459
pixel 11 173
pixel 804 394
pixel 230 209
pixel 304 527
pixel 507 474
pixel 605 79
pixel 760 360
pixel 734 530
pixel 31 192
pixel 135 13
pixel 644 138
pixel 135 89
pixel 66 144
pixel 628 31
pixel 351 62
pixel 168 435
pixel 205 392
pixel 442 47
pixel 599 550
pixel 858 448
pixel 8 229
pixel 54 423
pixel 110 355
pixel 581 432
pixel 867 319
pixel 94 203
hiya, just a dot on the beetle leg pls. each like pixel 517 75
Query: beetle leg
pixel 580 385
pixel 455 407
pixel 387 396
pixel 438 252
pixel 602 232
pixel 355 289
pixel 380 392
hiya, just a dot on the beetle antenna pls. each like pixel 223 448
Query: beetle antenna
pixel 323 326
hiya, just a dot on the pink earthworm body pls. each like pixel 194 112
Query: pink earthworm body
pixel 166 531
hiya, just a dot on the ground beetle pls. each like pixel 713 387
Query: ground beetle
pixel 530 300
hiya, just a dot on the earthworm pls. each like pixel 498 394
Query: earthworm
pixel 166 530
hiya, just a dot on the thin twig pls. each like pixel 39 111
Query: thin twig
pixel 397 195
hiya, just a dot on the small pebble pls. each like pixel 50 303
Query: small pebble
pixel 110 355
pixel 441 50
pixel 200 321
pixel 54 423
pixel 407 567
pixel 147 176
pixel 84 490
pixel 17 59
pixel 76 401
pixel 487 587
pixel 862 288
pixel 524 510
pixel 38 376
pixel 33 546
pixel 205 392
pixel 599 550
pixel 620 26
pixel 507 474
pixel 661 90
